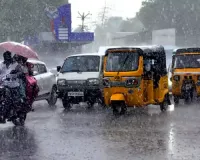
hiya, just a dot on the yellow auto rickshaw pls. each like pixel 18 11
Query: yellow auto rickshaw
pixel 135 77
pixel 185 74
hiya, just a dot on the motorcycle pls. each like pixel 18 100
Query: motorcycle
pixel 12 107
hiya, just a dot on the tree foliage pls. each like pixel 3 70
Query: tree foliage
pixel 20 18
pixel 180 14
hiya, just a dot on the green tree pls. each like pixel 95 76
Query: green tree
pixel 182 15
pixel 131 25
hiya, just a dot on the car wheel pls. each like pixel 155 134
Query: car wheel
pixel 53 97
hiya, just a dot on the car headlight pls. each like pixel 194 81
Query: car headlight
pixel 93 81
pixel 61 82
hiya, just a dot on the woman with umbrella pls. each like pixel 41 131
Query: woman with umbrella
pixel 22 53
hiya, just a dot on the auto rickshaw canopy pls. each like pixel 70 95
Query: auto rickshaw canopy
pixel 186 50
pixel 156 53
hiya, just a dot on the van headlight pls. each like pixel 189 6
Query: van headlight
pixel 61 82
pixel 93 81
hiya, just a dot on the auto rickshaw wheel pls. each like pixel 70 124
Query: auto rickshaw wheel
pixel 176 100
pixel 164 104
pixel 119 108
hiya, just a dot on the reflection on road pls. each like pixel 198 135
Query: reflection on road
pixel 97 134
pixel 17 143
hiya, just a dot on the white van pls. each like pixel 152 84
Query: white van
pixel 79 79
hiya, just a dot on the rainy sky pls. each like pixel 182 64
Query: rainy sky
pixel 125 8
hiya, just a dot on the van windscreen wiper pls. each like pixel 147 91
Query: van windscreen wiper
pixel 73 70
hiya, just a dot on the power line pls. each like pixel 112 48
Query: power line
pixel 103 14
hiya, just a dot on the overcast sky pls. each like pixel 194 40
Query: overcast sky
pixel 124 8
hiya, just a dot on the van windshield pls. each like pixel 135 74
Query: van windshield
pixel 81 64
pixel 122 61
pixel 187 61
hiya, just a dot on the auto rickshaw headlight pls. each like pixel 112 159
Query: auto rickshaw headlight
pixel 106 82
pixel 176 78
pixel 93 81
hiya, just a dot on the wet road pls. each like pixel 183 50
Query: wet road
pixel 52 134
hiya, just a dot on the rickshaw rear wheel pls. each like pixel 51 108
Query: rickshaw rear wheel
pixel 164 104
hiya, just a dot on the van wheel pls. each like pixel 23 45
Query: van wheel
pixel 176 100
pixel 66 104
pixel 164 104
pixel 90 105
pixel 53 97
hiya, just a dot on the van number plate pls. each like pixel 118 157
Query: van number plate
pixel 75 94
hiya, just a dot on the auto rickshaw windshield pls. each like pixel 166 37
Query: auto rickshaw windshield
pixel 187 61
pixel 118 61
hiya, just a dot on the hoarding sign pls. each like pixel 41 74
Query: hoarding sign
pixel 164 37
pixel 51 12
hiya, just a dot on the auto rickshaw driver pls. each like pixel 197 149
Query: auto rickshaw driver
pixel 132 85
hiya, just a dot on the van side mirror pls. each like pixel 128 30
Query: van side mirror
pixel 58 68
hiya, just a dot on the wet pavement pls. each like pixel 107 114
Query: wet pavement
pixel 53 134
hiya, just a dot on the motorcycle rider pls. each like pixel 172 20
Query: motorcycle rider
pixel 28 84
pixel 21 70
pixel 7 65
pixel 5 68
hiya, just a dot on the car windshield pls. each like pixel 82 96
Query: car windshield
pixel 122 61
pixel 81 64
pixel 187 61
